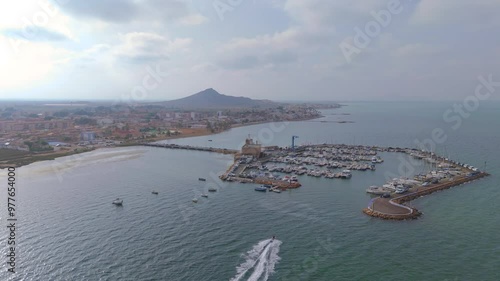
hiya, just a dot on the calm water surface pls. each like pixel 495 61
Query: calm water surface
pixel 69 230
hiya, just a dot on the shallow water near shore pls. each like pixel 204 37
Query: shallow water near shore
pixel 69 230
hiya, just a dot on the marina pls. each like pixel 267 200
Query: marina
pixel 278 168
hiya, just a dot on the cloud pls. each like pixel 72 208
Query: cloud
pixel 38 61
pixel 125 11
pixel 35 34
pixel 418 49
pixel 105 10
pixel 478 13
pixel 239 62
pixel 321 14
pixel 143 47
pixel 193 19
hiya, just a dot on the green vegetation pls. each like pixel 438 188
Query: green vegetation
pixel 9 154
pixel 38 146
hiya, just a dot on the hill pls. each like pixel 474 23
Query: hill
pixel 210 98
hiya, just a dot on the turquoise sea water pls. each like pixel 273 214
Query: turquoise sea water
pixel 69 230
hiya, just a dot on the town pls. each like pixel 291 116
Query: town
pixel 48 128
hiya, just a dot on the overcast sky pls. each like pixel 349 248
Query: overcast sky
pixel 276 49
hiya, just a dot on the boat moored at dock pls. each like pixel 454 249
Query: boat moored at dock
pixel 261 188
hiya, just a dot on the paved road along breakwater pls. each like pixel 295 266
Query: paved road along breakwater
pixel 392 209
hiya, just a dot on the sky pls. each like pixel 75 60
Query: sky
pixel 314 50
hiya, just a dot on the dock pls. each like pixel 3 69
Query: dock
pixel 190 147
pixel 393 209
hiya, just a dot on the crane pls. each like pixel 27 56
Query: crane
pixel 293 141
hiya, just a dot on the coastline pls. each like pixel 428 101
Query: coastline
pixel 32 158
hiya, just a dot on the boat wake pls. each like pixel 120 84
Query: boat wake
pixel 259 261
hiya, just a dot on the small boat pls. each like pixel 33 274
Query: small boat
pixel 346 174
pixel 212 189
pixel 154 192
pixel 118 202
pixel 261 189
pixel 195 200
pixel 204 195
pixel 209 140
pixel 201 179
pixel 276 190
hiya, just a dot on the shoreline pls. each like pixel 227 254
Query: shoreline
pixel 30 158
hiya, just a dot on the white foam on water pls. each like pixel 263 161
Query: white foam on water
pixel 261 260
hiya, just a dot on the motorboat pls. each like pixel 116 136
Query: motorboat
pixel 154 192
pixel 346 174
pixel 261 189
pixel 202 179
pixel 204 195
pixel 118 202
pixel 212 189
pixel 277 190
pixel 195 200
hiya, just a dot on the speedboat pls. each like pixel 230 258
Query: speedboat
pixel 154 192
pixel 195 200
pixel 277 190
pixel 204 195
pixel 261 189
pixel 212 189
pixel 118 202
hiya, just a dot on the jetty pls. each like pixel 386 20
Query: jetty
pixel 190 147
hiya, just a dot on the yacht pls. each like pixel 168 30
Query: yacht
pixel 346 174
pixel 261 189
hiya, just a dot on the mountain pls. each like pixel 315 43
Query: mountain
pixel 210 98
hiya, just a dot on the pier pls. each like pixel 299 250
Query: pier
pixel 190 147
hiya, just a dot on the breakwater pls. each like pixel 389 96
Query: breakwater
pixel 392 209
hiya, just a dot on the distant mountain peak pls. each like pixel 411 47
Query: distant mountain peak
pixel 210 98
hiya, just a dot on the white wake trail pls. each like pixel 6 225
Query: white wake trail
pixel 261 259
